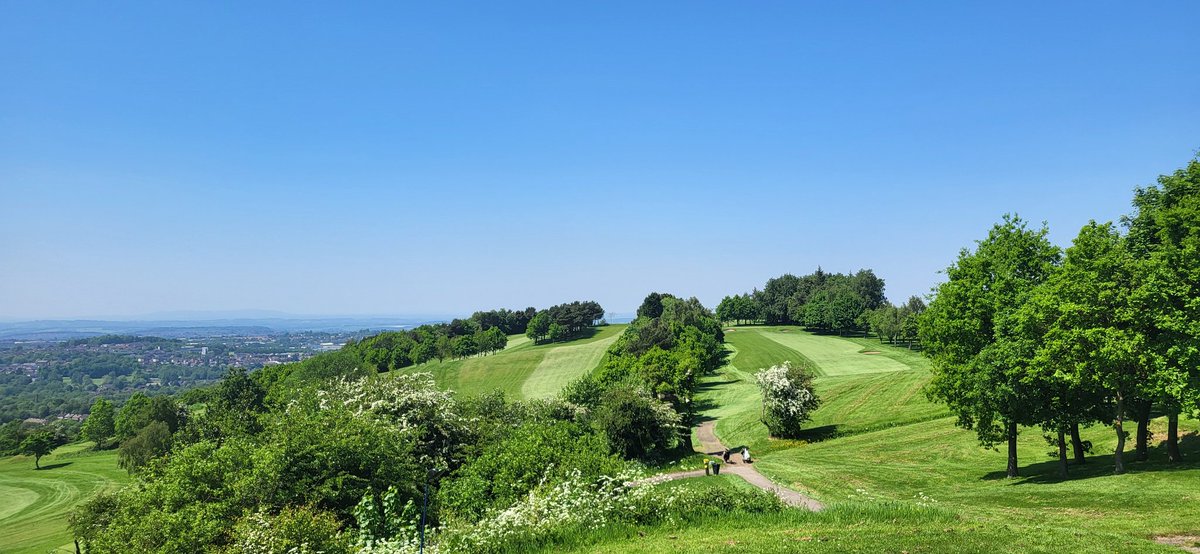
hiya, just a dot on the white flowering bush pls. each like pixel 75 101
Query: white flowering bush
pixel 411 404
pixel 788 398
pixel 299 530
pixel 570 502
pixel 578 504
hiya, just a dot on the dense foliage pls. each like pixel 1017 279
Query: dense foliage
pixel 1021 334
pixel 329 455
pixel 821 301
pixel 564 321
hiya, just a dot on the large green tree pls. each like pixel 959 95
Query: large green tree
pixel 977 369
pixel 100 424
pixel 1094 347
pixel 1164 239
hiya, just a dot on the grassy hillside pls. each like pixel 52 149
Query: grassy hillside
pixel 523 369
pixel 854 399
pixel 34 503
pixel 897 475
pixel 877 440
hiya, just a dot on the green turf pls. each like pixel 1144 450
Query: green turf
pixel 876 439
pixel 510 369
pixel 562 365
pixel 755 351
pixel 851 402
pixel 852 528
pixel 34 503
pixel 834 355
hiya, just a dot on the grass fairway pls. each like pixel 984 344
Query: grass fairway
pixel 853 400
pixel 877 441
pixel 34 503
pixel 834 355
pixel 523 367
pixel 564 364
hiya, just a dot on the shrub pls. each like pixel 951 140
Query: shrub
pixel 636 424
pixel 788 398
pixel 295 530
pixel 535 453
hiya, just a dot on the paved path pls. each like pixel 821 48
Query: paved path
pixel 709 444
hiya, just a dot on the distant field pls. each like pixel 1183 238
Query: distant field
pixel 34 503
pixel 523 369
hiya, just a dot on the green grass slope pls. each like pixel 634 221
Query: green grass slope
pixel 34 503
pixel 564 364
pixel 876 440
pixel 834 355
pixel 853 399
pixel 523 367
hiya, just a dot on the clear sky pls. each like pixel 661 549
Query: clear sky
pixel 439 157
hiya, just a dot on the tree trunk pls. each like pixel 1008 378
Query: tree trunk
pixel 1119 426
pixel 1173 437
pixel 1062 454
pixel 1012 449
pixel 1143 431
pixel 1077 444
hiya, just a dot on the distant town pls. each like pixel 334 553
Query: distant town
pixel 55 378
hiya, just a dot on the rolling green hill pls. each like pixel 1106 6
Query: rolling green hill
pixel 877 440
pixel 524 369
pixel 34 503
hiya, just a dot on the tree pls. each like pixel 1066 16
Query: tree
pixel 141 410
pixel 977 370
pixel 776 296
pixel 788 398
pixel 636 424
pixel 152 441
pixel 887 322
pixel 1164 239
pixel 237 402
pixel 99 425
pixel 651 305
pixel 538 327
pixel 1095 340
pixel 38 444
pixel 726 309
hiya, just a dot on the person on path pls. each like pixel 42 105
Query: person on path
pixel 708 467
pixel 746 454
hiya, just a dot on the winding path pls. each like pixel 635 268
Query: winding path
pixel 710 444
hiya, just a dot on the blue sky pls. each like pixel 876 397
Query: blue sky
pixel 439 157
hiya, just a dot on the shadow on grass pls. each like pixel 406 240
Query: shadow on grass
pixel 817 434
pixel 55 466
pixel 1098 465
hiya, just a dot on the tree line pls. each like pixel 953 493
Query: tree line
pixel 564 321
pixel 482 333
pixel 647 381
pixel 824 301
pixel 1023 333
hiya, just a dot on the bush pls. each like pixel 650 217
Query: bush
pixel 788 398
pixel 535 453
pixel 636 424
pixel 295 530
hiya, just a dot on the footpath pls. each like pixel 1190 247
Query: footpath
pixel 709 444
